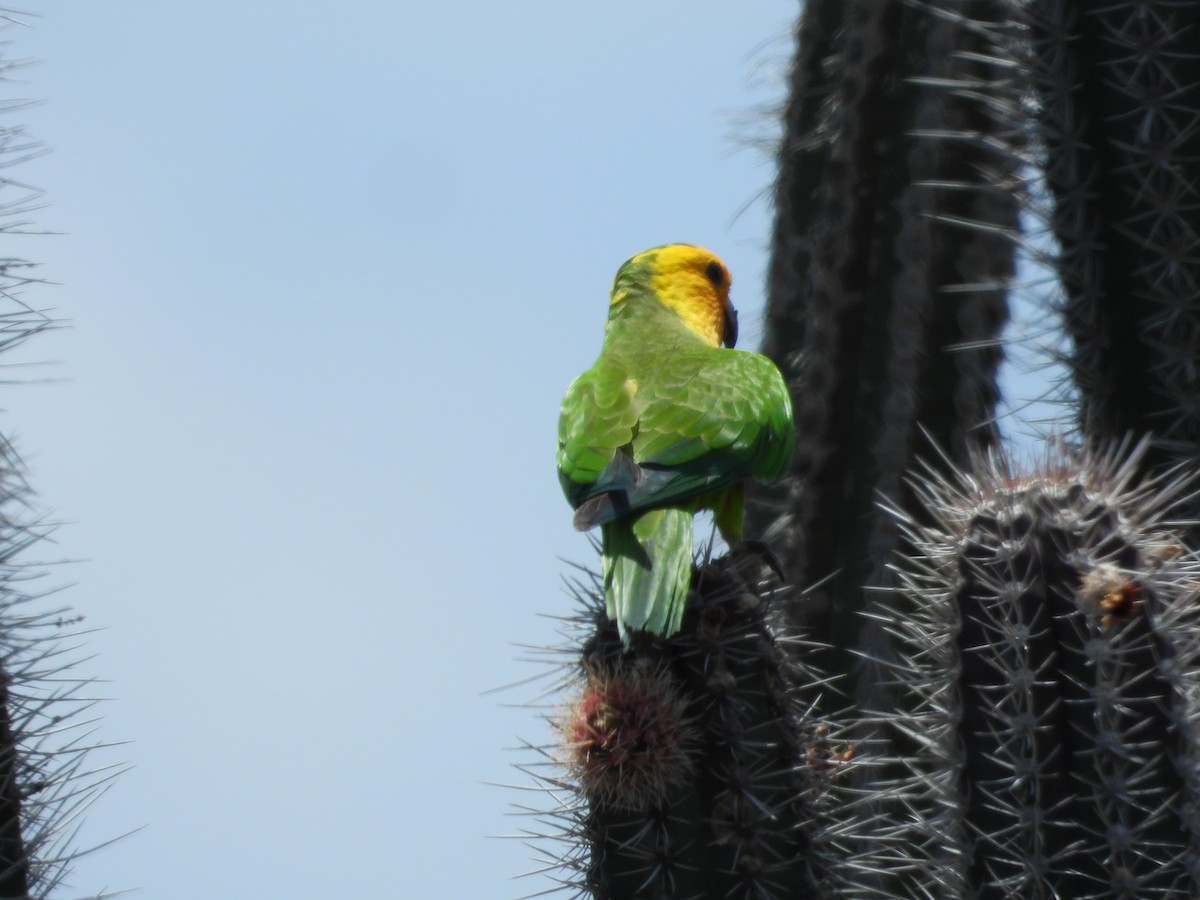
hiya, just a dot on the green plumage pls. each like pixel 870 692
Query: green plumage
pixel 664 424
pixel 646 560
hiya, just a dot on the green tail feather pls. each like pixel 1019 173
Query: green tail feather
pixel 647 565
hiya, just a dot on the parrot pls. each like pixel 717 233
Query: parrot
pixel 670 420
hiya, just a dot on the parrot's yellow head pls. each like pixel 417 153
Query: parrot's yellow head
pixel 690 280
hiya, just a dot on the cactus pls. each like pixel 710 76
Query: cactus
pixel 680 756
pixel 1021 648
pixel 1065 612
pixel 45 782
pixel 1118 86
pixel 885 305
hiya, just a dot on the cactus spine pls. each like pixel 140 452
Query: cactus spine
pixel 45 782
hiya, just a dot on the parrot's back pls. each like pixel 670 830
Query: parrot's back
pixel 667 422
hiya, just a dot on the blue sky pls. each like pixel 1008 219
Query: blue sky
pixel 327 273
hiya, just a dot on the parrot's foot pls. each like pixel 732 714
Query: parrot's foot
pixel 759 551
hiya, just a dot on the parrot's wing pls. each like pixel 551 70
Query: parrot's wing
pixel 597 419
pixel 699 430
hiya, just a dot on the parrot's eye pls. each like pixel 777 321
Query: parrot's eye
pixel 715 273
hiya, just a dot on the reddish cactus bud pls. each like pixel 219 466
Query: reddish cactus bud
pixel 626 737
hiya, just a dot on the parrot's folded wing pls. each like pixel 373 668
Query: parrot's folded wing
pixel 633 488
pixel 606 498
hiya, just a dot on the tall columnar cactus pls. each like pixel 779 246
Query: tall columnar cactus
pixel 890 259
pixel 1118 91
pixel 1052 651
pixel 1023 649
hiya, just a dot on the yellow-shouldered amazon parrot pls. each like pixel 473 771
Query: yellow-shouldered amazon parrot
pixel 665 423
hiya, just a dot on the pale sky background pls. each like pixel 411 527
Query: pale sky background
pixel 328 270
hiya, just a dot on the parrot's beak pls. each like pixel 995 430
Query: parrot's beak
pixel 730 335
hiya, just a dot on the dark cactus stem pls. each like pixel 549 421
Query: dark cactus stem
pixel 45 783
pixel 1119 85
pixel 891 253
pixel 1051 657
pixel 803 157
pixel 696 772
pixel 14 860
